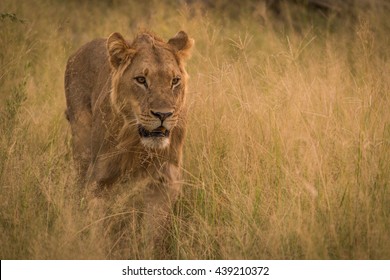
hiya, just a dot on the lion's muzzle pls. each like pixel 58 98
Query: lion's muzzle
pixel 155 128
pixel 161 115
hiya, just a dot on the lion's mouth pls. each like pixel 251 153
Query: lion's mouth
pixel 158 132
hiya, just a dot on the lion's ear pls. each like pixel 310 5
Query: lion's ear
pixel 118 49
pixel 183 44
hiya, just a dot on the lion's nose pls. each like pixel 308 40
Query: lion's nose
pixel 162 116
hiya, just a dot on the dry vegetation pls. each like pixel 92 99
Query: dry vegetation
pixel 288 149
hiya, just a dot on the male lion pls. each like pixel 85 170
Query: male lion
pixel 126 108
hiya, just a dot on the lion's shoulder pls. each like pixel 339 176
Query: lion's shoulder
pixel 89 57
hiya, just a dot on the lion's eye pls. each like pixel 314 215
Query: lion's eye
pixel 175 81
pixel 141 80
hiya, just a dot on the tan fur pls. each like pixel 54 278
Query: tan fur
pixel 107 103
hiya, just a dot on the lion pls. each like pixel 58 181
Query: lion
pixel 127 113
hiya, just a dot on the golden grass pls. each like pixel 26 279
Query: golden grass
pixel 288 148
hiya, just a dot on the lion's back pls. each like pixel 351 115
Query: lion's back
pixel 86 72
pixel 83 71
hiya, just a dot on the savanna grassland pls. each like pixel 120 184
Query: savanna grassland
pixel 287 153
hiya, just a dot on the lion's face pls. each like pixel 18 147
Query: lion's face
pixel 149 84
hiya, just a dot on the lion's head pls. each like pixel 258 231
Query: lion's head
pixel 149 83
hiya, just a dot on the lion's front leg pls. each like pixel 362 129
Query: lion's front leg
pixel 160 196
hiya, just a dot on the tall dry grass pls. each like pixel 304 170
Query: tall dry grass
pixel 288 148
